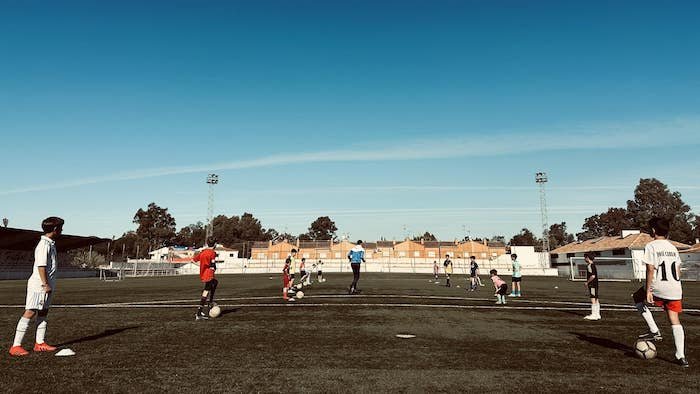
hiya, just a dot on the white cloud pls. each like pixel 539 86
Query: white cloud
pixel 611 136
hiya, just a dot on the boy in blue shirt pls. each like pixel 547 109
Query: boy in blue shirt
pixel 356 256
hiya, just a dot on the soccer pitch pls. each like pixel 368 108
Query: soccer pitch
pixel 140 335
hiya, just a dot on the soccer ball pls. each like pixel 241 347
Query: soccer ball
pixel 215 311
pixel 646 350
pixel 300 294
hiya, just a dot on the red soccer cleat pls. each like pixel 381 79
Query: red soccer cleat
pixel 44 347
pixel 18 351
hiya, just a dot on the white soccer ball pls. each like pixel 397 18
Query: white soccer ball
pixel 645 350
pixel 214 311
pixel 300 294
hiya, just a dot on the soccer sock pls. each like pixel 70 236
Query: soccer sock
pixel 284 293
pixel 22 327
pixel 40 329
pixel 646 314
pixel 202 301
pixel 211 292
pixel 679 340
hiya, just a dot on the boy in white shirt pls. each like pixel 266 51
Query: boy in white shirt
pixel 40 288
pixel 663 287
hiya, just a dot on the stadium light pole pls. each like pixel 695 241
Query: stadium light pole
pixel 542 179
pixel 212 179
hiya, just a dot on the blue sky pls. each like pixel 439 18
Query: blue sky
pixel 423 115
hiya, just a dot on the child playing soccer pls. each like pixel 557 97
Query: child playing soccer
pixel 304 279
pixel 448 270
pixel 207 267
pixel 592 286
pixel 517 276
pixel 436 269
pixel 473 277
pixel 287 280
pixel 663 287
pixel 500 286
pixel 356 256
pixel 319 272
pixel 291 262
pixel 40 288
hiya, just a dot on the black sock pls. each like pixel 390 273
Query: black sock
pixel 202 302
pixel 213 290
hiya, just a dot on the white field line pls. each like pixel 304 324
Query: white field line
pixel 319 305
pixel 399 296
pixel 301 304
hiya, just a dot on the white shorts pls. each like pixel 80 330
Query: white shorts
pixel 38 299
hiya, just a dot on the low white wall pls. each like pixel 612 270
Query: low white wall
pixel 532 264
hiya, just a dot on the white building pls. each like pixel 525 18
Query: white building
pixel 617 257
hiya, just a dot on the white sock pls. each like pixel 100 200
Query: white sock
pixel 646 314
pixel 22 327
pixel 592 309
pixel 679 339
pixel 597 310
pixel 40 329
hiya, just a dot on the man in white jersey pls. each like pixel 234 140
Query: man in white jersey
pixel 663 286
pixel 40 288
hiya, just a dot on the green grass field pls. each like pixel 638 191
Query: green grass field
pixel 147 339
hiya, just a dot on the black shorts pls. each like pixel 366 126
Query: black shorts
pixel 503 290
pixel 303 273
pixel 473 274
pixel 593 292
pixel 291 276
pixel 517 280
pixel 211 284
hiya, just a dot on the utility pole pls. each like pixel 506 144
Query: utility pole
pixel 541 179
pixel 212 179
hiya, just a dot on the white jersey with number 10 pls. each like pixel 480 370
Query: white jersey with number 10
pixel 665 258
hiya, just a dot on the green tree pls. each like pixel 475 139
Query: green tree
pixel 427 236
pixel 322 229
pixel 192 235
pixel 653 198
pixel 525 238
pixel 558 236
pixel 156 225
pixel 84 259
pixel 129 245
pixel 610 223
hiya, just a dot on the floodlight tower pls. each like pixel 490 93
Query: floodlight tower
pixel 212 179
pixel 541 179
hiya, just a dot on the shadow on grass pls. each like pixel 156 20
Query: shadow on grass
pixel 610 344
pixel 104 334
pixel 227 311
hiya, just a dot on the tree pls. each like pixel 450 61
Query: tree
pixel 192 235
pixel 610 223
pixel 322 229
pixel 498 239
pixel 129 245
pixel 84 259
pixel 156 225
pixel 525 238
pixel 427 236
pixel 653 198
pixel 558 235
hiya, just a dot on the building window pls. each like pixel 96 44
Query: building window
pixel 230 255
pixel 402 254
pixel 416 254
pixel 431 254
pixel 306 255
pixel 261 255
pixel 619 252
pixel 483 255
pixel 569 255
pixel 322 255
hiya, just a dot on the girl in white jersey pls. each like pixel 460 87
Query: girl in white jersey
pixel 40 289
pixel 663 287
